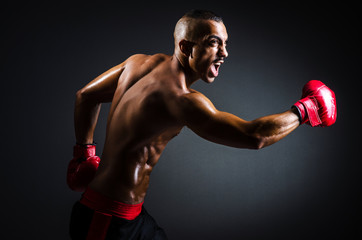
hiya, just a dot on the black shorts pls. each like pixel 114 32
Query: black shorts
pixel 142 227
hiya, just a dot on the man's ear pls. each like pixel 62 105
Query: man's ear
pixel 186 47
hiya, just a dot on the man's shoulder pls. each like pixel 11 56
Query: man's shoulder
pixel 191 107
pixel 138 58
pixel 193 95
pixel 191 100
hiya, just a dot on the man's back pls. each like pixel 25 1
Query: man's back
pixel 140 124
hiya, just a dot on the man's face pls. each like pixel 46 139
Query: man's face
pixel 209 50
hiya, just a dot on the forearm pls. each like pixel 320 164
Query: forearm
pixel 85 118
pixel 272 128
pixel 200 115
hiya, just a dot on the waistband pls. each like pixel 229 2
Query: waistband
pixel 101 203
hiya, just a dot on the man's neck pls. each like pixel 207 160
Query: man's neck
pixel 182 64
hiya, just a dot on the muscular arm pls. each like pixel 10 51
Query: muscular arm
pixel 200 115
pixel 88 102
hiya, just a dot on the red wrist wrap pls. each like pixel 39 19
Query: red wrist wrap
pixel 308 109
pixel 302 114
pixel 84 151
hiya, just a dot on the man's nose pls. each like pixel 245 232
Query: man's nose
pixel 223 52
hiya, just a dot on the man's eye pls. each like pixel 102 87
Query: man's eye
pixel 213 42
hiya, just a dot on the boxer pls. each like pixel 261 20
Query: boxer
pixel 151 101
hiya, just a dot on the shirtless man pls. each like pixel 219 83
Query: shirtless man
pixel 151 102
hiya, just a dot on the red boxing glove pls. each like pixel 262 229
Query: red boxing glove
pixel 82 167
pixel 318 105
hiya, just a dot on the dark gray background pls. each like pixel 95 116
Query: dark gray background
pixel 306 186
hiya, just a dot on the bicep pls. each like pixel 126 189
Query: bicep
pixel 226 129
pixel 102 88
pixel 201 116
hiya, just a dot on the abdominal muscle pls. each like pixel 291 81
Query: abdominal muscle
pixel 125 178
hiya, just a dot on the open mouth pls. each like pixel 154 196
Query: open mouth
pixel 215 68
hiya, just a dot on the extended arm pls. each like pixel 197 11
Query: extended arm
pixel 88 103
pixel 200 115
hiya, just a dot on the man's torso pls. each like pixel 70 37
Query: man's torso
pixel 140 124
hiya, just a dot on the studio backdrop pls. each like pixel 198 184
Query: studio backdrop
pixel 306 186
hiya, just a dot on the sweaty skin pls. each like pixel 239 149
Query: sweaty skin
pixel 152 101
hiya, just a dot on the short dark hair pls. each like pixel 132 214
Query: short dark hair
pixel 203 14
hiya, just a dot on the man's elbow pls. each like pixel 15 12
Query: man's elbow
pixel 82 95
pixel 258 143
pixel 256 136
pixel 79 94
